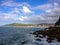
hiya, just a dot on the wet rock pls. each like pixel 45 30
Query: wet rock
pixel 40 37
pixel 58 40
pixel 1 44
pixel 49 40
pixel 35 33
pixel 31 33
pixel 38 40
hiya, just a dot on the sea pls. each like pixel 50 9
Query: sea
pixel 21 36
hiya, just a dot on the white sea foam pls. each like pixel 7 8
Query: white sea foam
pixel 43 41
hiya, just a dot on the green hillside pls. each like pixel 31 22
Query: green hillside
pixel 17 24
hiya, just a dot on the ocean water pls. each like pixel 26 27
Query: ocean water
pixel 16 35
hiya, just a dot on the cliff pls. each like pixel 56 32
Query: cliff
pixel 58 22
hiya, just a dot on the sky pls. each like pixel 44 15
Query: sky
pixel 29 11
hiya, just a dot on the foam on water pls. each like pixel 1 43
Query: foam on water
pixel 14 36
pixel 43 41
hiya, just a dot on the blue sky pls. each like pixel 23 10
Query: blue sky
pixel 29 11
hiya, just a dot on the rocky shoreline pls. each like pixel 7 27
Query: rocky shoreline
pixel 50 34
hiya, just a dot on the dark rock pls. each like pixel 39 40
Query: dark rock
pixel 40 36
pixel 50 28
pixel 58 22
pixel 44 35
pixel 30 33
pixel 58 40
pixel 49 40
pixel 1 44
pixel 38 39
pixel 46 29
pixel 35 33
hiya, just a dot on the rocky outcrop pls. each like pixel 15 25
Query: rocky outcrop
pixel 58 22
pixel 51 32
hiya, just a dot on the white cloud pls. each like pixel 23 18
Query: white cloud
pixel 49 11
pixel 15 11
pixel 22 18
pixel 23 7
pixel 47 8
pixel 11 3
pixel 53 1
pixel 23 4
pixel 43 7
pixel 29 19
pixel 36 19
pixel 7 16
pixel 8 3
pixel 56 4
pixel 26 10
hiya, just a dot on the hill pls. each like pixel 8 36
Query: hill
pixel 17 24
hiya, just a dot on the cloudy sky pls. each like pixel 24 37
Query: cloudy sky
pixel 29 11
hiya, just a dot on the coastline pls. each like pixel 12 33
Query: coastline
pixel 27 26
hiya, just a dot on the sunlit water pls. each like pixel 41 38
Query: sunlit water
pixel 15 35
